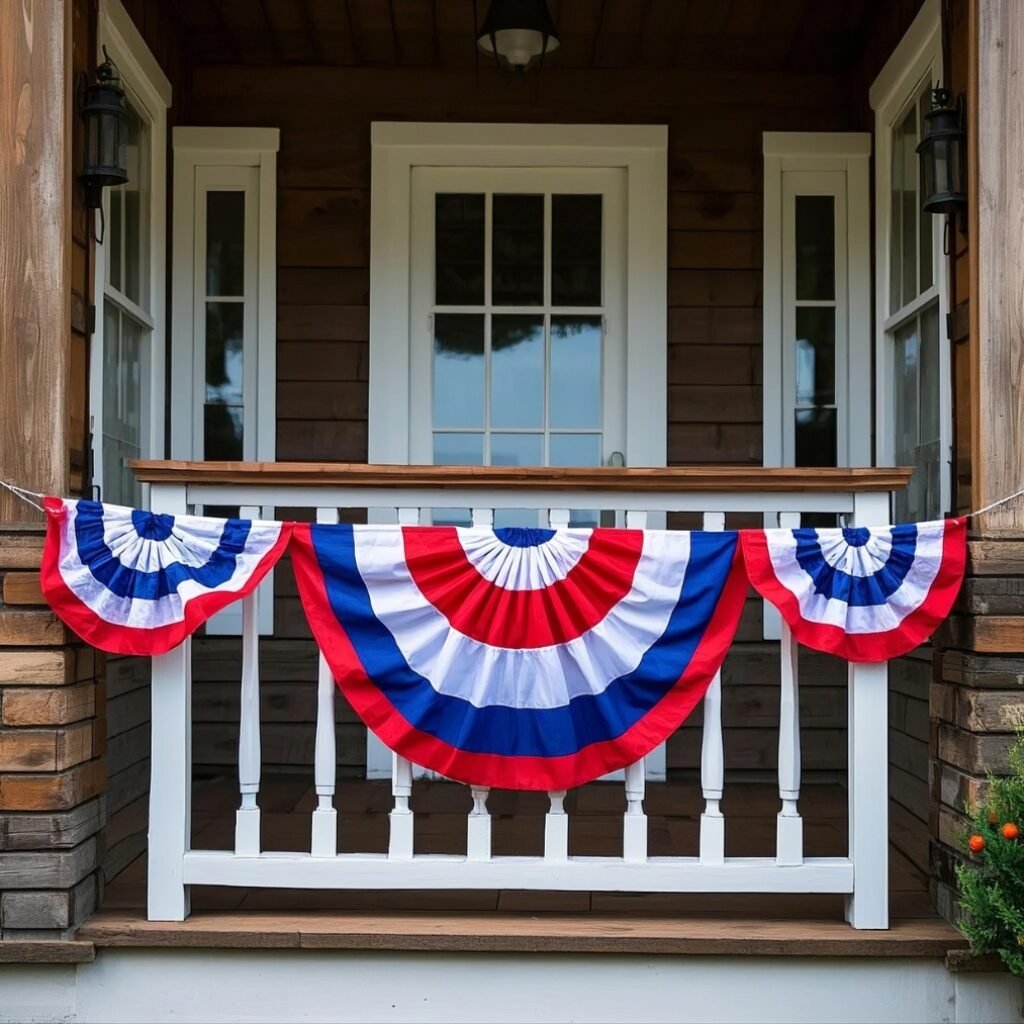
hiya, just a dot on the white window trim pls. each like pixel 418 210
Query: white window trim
pixel 640 149
pixel 196 150
pixel 848 153
pixel 149 88
pixel 223 147
pixel 918 50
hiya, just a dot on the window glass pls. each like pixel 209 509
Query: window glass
pixel 517 371
pixel 223 413
pixel 121 413
pixel 225 243
pixel 575 398
pixel 459 249
pixel 458 370
pixel 517 247
pixel 815 247
pixel 576 250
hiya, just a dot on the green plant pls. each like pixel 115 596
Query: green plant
pixel 992 886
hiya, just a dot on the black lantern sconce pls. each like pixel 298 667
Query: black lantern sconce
pixel 518 33
pixel 943 156
pixel 106 134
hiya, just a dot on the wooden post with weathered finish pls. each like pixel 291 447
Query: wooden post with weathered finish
pixel 976 695
pixel 52 733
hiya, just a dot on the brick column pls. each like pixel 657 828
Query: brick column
pixel 52 772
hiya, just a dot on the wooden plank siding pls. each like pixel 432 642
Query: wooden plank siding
pixel 714 255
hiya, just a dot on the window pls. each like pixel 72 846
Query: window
pixel 223 362
pixel 817 359
pixel 127 363
pixel 913 389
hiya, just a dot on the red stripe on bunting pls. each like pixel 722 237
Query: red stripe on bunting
pixel 913 631
pixel 495 770
pixel 519 619
pixel 116 639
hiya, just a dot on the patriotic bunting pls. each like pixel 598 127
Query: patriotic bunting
pixel 531 659
pixel 519 658
pixel 862 593
pixel 134 582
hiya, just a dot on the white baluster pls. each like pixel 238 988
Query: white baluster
pixel 634 822
pixel 789 845
pixel 170 789
pixel 868 767
pixel 558 518
pixel 401 817
pixel 247 817
pixel 712 755
pixel 478 826
pixel 324 842
pixel 556 828
pixel 483 517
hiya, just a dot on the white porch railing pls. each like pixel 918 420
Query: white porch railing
pixel 860 496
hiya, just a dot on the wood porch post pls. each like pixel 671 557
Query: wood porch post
pixel 997 240
pixel 35 248
pixel 977 695
pixel 52 730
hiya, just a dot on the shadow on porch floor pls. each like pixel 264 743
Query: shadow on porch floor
pixel 580 921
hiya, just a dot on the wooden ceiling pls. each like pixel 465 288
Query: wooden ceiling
pixel 796 35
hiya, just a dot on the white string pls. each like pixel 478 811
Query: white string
pixel 23 494
pixel 996 504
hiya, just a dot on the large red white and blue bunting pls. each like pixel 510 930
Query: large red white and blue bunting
pixel 521 658
pixel 134 582
pixel 861 593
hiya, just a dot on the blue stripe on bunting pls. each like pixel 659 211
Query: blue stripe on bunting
pixel 523 536
pixel 857 591
pixel 139 585
pixel 524 732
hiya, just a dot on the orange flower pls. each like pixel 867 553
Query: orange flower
pixel 1010 830
pixel 977 844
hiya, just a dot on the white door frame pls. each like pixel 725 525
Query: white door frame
pixel 642 150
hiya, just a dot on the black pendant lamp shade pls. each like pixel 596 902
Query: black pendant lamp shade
pixel 518 32
pixel 106 134
pixel 942 156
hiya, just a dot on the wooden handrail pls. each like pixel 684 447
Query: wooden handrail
pixel 672 479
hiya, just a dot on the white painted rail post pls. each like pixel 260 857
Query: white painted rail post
pixel 789 831
pixel 712 755
pixel 400 820
pixel 556 828
pixel 170 788
pixel 634 822
pixel 868 771
pixel 478 826
pixel 250 753
pixel 324 838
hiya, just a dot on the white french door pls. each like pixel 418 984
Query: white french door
pixel 517 318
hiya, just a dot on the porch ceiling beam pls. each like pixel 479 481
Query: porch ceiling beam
pixel 598 30
pixel 35 249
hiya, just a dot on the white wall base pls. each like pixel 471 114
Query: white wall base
pixel 181 985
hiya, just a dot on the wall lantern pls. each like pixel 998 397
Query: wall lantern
pixel 106 134
pixel 943 156
pixel 518 32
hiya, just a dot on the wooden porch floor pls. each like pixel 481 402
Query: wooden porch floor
pixel 528 921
